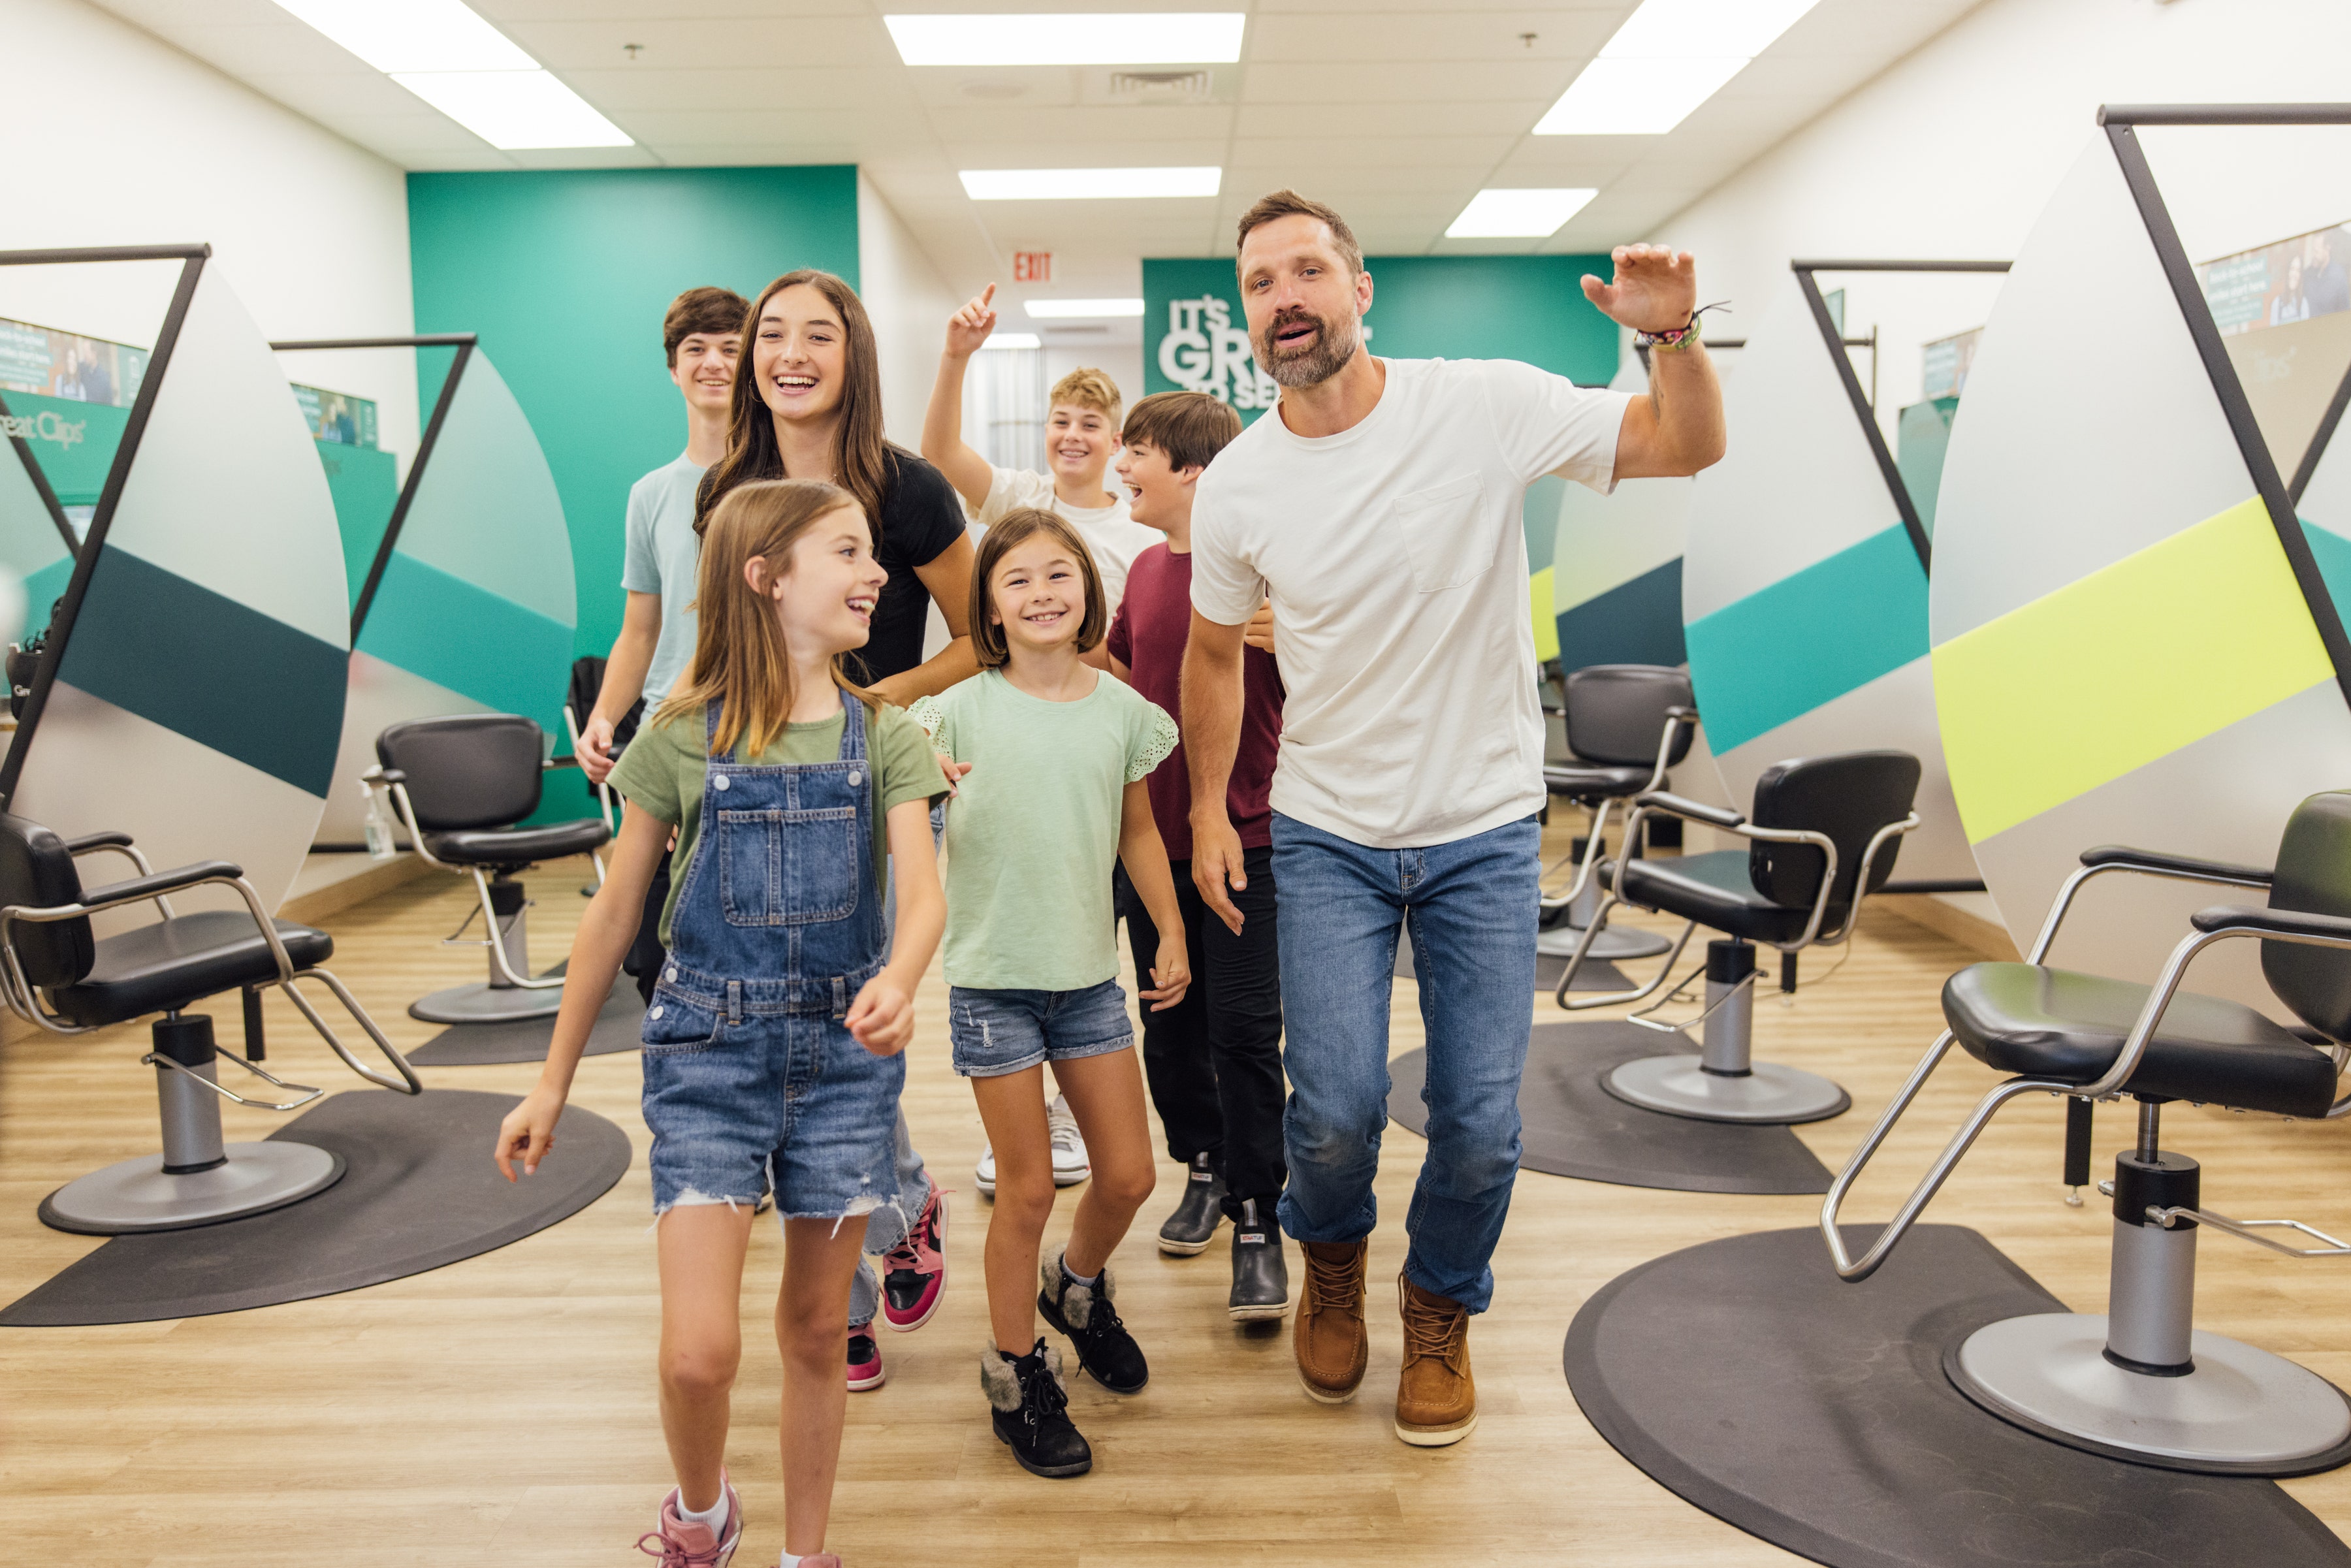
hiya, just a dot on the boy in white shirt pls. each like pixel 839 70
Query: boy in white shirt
pixel 1080 438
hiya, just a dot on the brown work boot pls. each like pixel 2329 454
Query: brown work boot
pixel 1437 1399
pixel 1333 1346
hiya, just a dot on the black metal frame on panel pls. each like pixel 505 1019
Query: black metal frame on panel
pixel 41 487
pixel 191 259
pixel 2121 121
pixel 464 343
pixel 1863 408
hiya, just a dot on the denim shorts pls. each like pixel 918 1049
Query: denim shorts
pixel 761 1102
pixel 997 1032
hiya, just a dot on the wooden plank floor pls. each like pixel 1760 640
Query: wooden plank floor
pixel 503 1409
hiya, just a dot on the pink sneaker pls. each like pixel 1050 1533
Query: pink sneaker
pixel 864 1360
pixel 914 1273
pixel 681 1544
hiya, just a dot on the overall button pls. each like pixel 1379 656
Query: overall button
pixel 672 975
pixel 855 778
pixel 720 782
pixel 655 1014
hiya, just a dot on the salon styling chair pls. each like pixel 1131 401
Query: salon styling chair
pixel 2141 1382
pixel 1627 725
pixel 57 973
pixel 460 784
pixel 1823 836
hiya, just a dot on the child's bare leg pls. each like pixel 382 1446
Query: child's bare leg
pixel 1012 1107
pixel 701 1248
pixel 811 1317
pixel 1105 1094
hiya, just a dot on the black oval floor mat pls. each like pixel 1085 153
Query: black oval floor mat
pixel 420 1191
pixel 1744 1376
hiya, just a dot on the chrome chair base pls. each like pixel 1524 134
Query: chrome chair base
pixel 482 1002
pixel 137 1196
pixel 1612 942
pixel 1766 1093
pixel 2242 1411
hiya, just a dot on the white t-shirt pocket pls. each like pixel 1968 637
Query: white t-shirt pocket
pixel 1441 525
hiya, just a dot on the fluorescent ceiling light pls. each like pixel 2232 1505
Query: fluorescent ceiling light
pixel 1518 214
pixel 448 56
pixel 1670 56
pixel 1049 308
pixel 1070 39
pixel 1087 184
pixel 1014 340
pixel 512 109
pixel 414 34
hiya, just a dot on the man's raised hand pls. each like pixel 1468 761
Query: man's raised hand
pixel 968 328
pixel 1655 288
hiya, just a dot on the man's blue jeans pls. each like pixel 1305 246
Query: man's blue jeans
pixel 1472 906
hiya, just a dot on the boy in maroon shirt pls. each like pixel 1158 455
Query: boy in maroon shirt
pixel 1214 1060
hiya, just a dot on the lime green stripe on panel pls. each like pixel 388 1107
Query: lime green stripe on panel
pixel 1539 591
pixel 2133 662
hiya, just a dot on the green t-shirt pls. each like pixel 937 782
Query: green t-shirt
pixel 661 771
pixel 1032 831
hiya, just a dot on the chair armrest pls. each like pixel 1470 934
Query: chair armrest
pixel 380 774
pixel 2289 923
pixel 565 759
pixel 162 882
pixel 2122 857
pixel 112 840
pixel 1716 816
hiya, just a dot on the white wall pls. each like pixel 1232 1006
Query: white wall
pixel 119 139
pixel 910 302
pixel 1953 152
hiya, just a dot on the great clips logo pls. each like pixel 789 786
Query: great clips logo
pixel 1203 351
pixel 42 426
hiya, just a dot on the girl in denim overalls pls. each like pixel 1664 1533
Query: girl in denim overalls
pixel 771 1048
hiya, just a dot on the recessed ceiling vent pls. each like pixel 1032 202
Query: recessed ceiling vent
pixel 1163 86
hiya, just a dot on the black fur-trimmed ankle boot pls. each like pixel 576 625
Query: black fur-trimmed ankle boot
pixel 1105 1348
pixel 1030 1410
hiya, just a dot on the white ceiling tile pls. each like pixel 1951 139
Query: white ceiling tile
pixel 1076 130
pixel 1440 81
pixel 800 42
pixel 1564 38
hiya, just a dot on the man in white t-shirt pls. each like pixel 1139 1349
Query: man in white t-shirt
pixel 1080 438
pixel 1379 506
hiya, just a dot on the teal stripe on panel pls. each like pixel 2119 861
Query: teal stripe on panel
pixel 1808 639
pixel 43 589
pixel 1539 517
pixel 2332 553
pixel 202 665
pixel 1639 622
pixel 460 635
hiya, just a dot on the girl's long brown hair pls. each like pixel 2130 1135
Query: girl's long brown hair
pixel 862 455
pixel 740 660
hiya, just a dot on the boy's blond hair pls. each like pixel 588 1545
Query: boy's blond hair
pixel 1086 387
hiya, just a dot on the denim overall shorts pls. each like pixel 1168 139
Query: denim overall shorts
pixel 753 1082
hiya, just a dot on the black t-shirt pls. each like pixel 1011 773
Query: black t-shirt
pixel 921 517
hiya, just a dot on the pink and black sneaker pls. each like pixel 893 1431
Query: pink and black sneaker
pixel 681 1543
pixel 914 1273
pixel 864 1360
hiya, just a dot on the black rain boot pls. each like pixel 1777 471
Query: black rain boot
pixel 1031 1408
pixel 1084 1313
pixel 1260 1276
pixel 1188 1231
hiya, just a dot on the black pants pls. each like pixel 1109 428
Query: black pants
pixel 642 962
pixel 1214 1059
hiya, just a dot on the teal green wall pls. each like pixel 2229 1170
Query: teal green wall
pixel 1529 307
pixel 565 276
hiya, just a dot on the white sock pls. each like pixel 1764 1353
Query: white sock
pixel 714 1516
pixel 1074 1278
pixel 789 1562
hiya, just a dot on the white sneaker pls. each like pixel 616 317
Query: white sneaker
pixel 1071 1166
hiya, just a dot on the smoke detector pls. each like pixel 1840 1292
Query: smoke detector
pixel 1163 86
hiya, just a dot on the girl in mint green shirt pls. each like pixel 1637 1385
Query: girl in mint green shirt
pixel 1052 754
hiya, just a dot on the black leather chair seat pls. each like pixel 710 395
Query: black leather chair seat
pixel 1592 780
pixel 2055 1023
pixel 165 965
pixel 1716 890
pixel 517 846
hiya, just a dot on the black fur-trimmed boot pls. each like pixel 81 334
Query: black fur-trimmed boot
pixel 1084 1312
pixel 1030 1410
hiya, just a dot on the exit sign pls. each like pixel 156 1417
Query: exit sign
pixel 1032 267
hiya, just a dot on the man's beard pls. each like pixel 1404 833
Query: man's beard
pixel 1333 345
